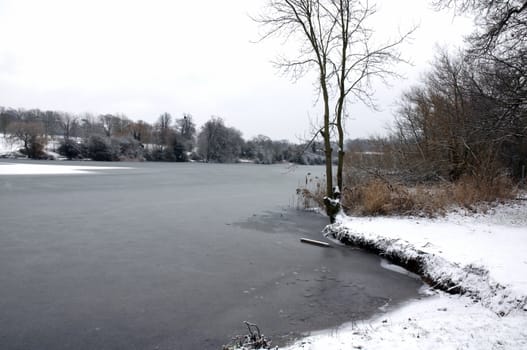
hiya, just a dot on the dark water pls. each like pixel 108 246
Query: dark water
pixel 173 256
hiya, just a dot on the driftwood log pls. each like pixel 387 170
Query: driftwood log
pixel 314 242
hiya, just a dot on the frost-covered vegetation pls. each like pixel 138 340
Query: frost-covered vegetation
pixel 40 134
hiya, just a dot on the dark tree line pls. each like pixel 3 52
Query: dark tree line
pixel 111 137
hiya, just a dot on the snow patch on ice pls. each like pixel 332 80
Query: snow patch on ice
pixel 48 169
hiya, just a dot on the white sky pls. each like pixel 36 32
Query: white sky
pixel 145 57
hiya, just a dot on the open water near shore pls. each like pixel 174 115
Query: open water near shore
pixel 173 256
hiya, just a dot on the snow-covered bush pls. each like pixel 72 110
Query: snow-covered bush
pixel 129 148
pixel 70 149
pixel 100 148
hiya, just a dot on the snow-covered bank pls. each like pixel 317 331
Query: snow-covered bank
pixel 442 321
pixel 482 256
pixel 11 148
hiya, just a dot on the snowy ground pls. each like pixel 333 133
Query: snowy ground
pixel 484 254
pixel 10 148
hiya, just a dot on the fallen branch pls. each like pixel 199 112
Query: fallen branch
pixel 314 242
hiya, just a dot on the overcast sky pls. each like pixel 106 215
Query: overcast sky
pixel 141 58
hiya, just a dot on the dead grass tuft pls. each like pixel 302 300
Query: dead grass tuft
pixel 311 193
pixel 470 191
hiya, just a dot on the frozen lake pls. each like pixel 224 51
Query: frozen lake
pixel 173 256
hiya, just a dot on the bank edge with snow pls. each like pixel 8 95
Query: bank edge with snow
pixel 470 280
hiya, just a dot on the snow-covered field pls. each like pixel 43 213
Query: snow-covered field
pixel 10 148
pixel 485 254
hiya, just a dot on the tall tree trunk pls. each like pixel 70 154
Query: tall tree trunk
pixel 332 207
pixel 327 141
pixel 344 27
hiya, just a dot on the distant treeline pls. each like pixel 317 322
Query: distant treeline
pixel 111 137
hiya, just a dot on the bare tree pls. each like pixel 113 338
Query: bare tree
pixel 207 138
pixel 219 143
pixel 31 134
pixel 497 50
pixel 7 116
pixel 501 23
pixel 107 122
pixel 337 43
pixel 68 123
pixel 163 126
pixel 141 131
pixel 455 123
pixel 499 44
pixel 186 129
